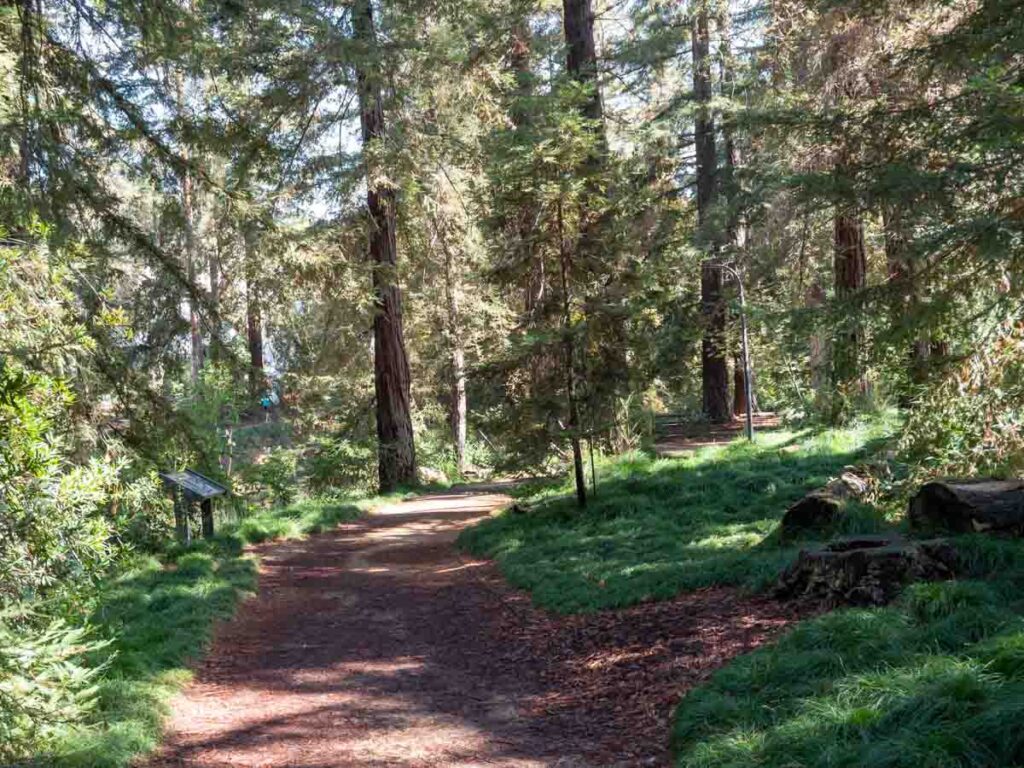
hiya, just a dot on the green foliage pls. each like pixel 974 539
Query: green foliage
pixel 156 617
pixel 658 527
pixel 933 680
pixel 91 690
pixel 274 475
pixel 969 422
pixel 336 463
pixel 298 519
pixel 47 683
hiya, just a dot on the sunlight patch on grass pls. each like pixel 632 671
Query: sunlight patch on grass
pixel 660 526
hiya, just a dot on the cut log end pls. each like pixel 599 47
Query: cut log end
pixel 865 570
pixel 966 506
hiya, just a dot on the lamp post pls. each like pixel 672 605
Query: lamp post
pixel 745 348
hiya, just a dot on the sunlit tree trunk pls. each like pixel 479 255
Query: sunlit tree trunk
pixel 714 367
pixel 396 460
pixel 458 360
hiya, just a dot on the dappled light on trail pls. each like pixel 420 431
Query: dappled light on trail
pixel 377 644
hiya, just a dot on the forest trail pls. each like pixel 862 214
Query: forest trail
pixel 379 644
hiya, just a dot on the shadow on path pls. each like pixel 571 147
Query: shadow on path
pixel 376 644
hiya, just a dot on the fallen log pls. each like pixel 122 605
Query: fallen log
pixel 824 507
pixel 865 570
pixel 970 505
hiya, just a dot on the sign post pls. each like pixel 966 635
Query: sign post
pixel 190 487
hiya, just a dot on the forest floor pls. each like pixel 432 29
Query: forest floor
pixel 378 644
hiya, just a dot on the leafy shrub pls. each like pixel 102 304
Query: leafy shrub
pixel 335 463
pixel 275 475
pixel 46 685
pixel 970 423
pixel 56 526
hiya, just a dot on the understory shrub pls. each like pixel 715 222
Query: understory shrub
pixel 47 683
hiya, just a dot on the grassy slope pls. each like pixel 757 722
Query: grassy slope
pixel 159 617
pixel 659 527
pixel 934 681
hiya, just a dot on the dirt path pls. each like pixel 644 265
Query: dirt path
pixel 378 645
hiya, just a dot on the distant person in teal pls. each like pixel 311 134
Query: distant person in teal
pixel 265 403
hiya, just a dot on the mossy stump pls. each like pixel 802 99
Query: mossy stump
pixel 865 570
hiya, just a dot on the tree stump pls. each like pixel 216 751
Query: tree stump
pixel 823 507
pixel 970 505
pixel 865 570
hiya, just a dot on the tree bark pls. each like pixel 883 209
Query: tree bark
pixel 970 506
pixel 458 357
pixel 188 214
pixel 714 367
pixel 565 258
pixel 253 312
pixel 581 53
pixel 396 460
pixel 850 276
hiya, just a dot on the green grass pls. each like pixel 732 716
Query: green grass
pixel 934 681
pixel 657 527
pixel 159 616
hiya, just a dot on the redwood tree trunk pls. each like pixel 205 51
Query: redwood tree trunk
pixel 850 277
pixel 396 459
pixel 253 313
pixel 714 367
pixel 581 53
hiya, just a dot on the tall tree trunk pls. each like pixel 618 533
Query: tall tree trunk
pixel 565 266
pixel 850 276
pixel 28 92
pixel 714 367
pixel 396 460
pixel 523 223
pixel 188 214
pixel 581 64
pixel 253 311
pixel 737 225
pixel 581 53
pixel 457 352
